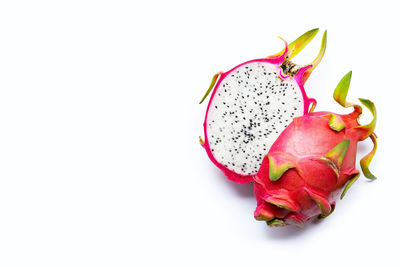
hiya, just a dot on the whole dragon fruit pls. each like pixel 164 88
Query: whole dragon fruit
pixel 250 106
pixel 311 162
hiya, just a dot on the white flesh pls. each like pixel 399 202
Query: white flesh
pixel 250 109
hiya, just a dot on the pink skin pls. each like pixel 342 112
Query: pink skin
pixel 278 60
pixel 293 197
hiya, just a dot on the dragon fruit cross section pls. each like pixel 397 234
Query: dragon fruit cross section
pixel 252 104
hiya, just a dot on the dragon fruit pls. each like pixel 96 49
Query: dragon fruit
pixel 312 162
pixel 250 106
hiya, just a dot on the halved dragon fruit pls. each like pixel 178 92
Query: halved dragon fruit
pixel 312 162
pixel 252 104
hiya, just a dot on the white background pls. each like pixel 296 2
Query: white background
pixel 100 163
